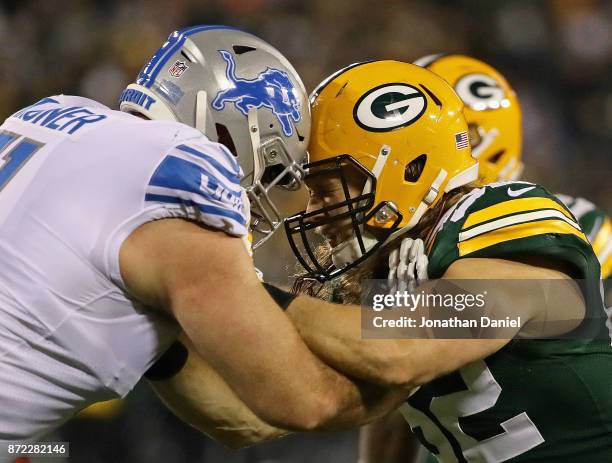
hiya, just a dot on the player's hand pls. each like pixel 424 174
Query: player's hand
pixel 407 266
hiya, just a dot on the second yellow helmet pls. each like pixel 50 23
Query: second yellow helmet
pixel 492 111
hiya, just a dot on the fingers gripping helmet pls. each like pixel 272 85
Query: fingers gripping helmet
pixel 492 112
pixel 403 126
pixel 239 91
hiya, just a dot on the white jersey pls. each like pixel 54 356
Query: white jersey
pixel 76 178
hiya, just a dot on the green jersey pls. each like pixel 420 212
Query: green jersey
pixel 596 225
pixel 533 400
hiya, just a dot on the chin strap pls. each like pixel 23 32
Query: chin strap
pixel 426 202
pixel 381 160
pixel 462 178
pixel 201 103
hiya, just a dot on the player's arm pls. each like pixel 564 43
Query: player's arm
pixel 206 281
pixel 334 332
pixel 602 245
pixel 199 395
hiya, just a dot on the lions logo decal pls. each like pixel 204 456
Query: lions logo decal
pixel 271 89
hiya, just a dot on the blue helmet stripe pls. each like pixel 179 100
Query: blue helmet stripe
pixel 164 58
pixel 175 41
pixel 145 72
pixel 195 29
pixel 204 208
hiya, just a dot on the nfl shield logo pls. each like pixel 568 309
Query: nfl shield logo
pixel 178 68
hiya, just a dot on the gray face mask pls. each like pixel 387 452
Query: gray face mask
pixel 241 92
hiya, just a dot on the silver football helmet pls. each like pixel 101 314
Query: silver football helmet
pixel 239 91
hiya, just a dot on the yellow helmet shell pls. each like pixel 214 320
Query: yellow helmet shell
pixel 386 114
pixel 492 111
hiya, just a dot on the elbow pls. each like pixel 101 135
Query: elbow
pixel 387 364
pixel 318 416
pixel 328 407
pixel 306 412
pixel 397 365
pixel 397 373
pixel 398 377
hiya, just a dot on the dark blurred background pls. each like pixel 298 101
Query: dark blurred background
pixel 556 53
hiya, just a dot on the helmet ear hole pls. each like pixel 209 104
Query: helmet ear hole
pixel 224 137
pixel 415 168
pixel 240 49
pixel 187 57
pixel 497 156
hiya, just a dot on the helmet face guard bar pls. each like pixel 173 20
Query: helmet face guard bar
pixel 282 171
pixel 305 224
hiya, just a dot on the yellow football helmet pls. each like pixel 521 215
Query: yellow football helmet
pixel 492 111
pixel 404 128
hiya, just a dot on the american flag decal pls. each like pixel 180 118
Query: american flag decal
pixel 461 140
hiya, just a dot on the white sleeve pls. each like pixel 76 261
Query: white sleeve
pixel 195 183
pixel 195 180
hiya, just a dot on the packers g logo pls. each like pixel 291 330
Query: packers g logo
pixel 480 92
pixel 389 107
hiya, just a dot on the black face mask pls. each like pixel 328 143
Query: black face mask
pixel 354 209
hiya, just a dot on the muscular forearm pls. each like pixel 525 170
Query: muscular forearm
pixel 199 396
pixel 240 331
pixel 333 332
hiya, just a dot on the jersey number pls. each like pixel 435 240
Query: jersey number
pixel 443 431
pixel 13 159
